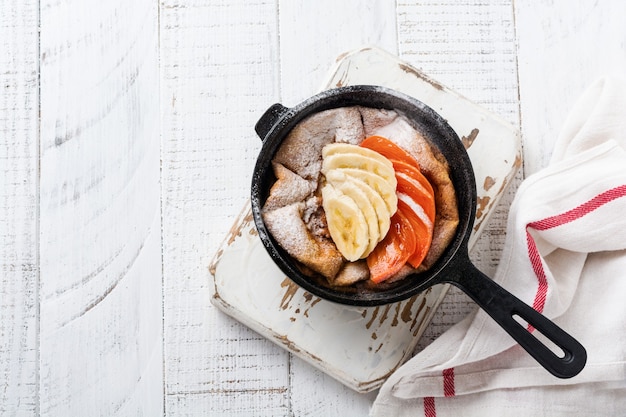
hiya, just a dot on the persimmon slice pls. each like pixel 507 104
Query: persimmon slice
pixel 411 232
pixel 389 150
pixel 411 171
pixel 412 188
pixel 393 252
pixel 423 234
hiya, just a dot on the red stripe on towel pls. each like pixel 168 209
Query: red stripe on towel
pixel 429 407
pixel 559 220
pixel 448 382
pixel 448 391
pixel 580 211
pixel 540 273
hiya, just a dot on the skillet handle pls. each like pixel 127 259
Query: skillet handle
pixel 502 306
pixel 269 119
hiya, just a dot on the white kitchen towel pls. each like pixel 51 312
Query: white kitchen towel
pixel 565 255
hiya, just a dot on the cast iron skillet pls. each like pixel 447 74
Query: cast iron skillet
pixel 454 266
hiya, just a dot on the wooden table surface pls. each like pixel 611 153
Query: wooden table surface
pixel 126 151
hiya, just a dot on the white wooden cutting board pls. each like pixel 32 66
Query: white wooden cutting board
pixel 360 346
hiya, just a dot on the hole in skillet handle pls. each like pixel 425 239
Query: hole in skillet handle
pixel 507 310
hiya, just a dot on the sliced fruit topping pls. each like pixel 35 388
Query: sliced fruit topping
pixel 361 162
pixel 423 232
pixel 415 173
pixel 346 223
pixel 383 216
pixel 416 203
pixel 388 149
pixel 369 180
pixel 386 189
pixel 350 188
pixel 393 252
pixel 414 190
pixel 347 148
pixel 379 206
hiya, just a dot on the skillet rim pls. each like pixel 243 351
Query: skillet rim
pixel 423 118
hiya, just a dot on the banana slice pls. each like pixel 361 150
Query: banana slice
pixel 349 187
pixel 344 148
pixel 386 189
pixel 346 223
pixel 378 166
pixel 383 216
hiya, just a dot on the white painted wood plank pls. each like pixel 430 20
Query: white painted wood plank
pixel 313 34
pixel 100 232
pixel 317 394
pixel 219 71
pixel 19 268
pixel 469 47
pixel 563 47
